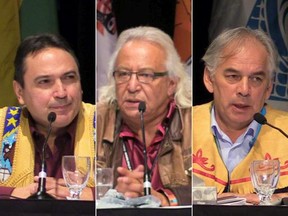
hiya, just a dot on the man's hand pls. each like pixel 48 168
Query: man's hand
pixel 130 183
pixel 58 189
pixel 161 197
pixel 54 187
pixel 25 192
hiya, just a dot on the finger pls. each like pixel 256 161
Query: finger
pixel 129 181
pixel 126 184
pixel 61 182
pixel 131 191
pixel 132 174
pixel 33 188
pixel 136 187
pixel 59 192
pixel 125 180
pixel 54 194
pixel 51 179
pixel 50 184
pixel 140 168
pixel 123 171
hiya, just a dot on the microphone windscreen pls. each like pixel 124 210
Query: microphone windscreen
pixel 142 106
pixel 260 118
pixel 51 117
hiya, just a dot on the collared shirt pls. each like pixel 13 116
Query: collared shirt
pixel 64 145
pixel 233 153
pixel 135 148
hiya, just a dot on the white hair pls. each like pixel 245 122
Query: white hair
pixel 174 66
pixel 240 35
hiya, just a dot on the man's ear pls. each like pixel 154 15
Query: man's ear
pixel 208 80
pixel 19 92
pixel 172 85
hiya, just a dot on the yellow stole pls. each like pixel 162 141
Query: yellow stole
pixel 24 154
pixel 207 162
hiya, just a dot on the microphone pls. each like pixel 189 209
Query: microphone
pixel 258 117
pixel 147 181
pixel 41 191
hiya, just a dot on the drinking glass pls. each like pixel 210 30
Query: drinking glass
pixel 264 177
pixel 75 170
pixel 104 181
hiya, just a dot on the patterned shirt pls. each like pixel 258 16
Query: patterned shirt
pixel 135 148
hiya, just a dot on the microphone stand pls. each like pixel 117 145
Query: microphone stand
pixel 41 193
pixel 147 181
pixel 259 118
pixel 279 129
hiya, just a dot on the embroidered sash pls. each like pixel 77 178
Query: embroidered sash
pixel 11 124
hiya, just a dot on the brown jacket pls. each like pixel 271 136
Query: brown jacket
pixel 174 160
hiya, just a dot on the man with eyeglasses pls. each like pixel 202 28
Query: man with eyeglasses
pixel 145 67
pixel 143 76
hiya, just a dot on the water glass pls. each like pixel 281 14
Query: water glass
pixel 264 177
pixel 104 181
pixel 75 170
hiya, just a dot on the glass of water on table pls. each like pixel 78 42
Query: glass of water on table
pixel 104 181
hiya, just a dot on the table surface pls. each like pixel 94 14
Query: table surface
pixel 15 207
pixel 46 207
pixel 87 208
pixel 220 210
pixel 187 211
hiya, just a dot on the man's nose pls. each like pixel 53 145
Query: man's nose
pixel 133 83
pixel 59 89
pixel 244 87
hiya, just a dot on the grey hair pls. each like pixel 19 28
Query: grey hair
pixel 240 35
pixel 174 66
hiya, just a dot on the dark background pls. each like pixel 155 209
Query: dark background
pixel 201 18
pixel 157 13
pixel 77 25
pixel 77 22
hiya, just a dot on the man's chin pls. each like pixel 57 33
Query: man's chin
pixel 62 121
pixel 131 113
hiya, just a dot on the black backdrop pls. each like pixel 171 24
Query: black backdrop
pixel 157 13
pixel 201 18
pixel 77 25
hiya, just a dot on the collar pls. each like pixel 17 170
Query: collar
pixel 252 129
pixel 126 131
pixel 114 122
pixel 70 130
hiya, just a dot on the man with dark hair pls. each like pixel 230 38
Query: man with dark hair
pixel 47 79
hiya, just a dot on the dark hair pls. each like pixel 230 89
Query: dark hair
pixel 34 44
